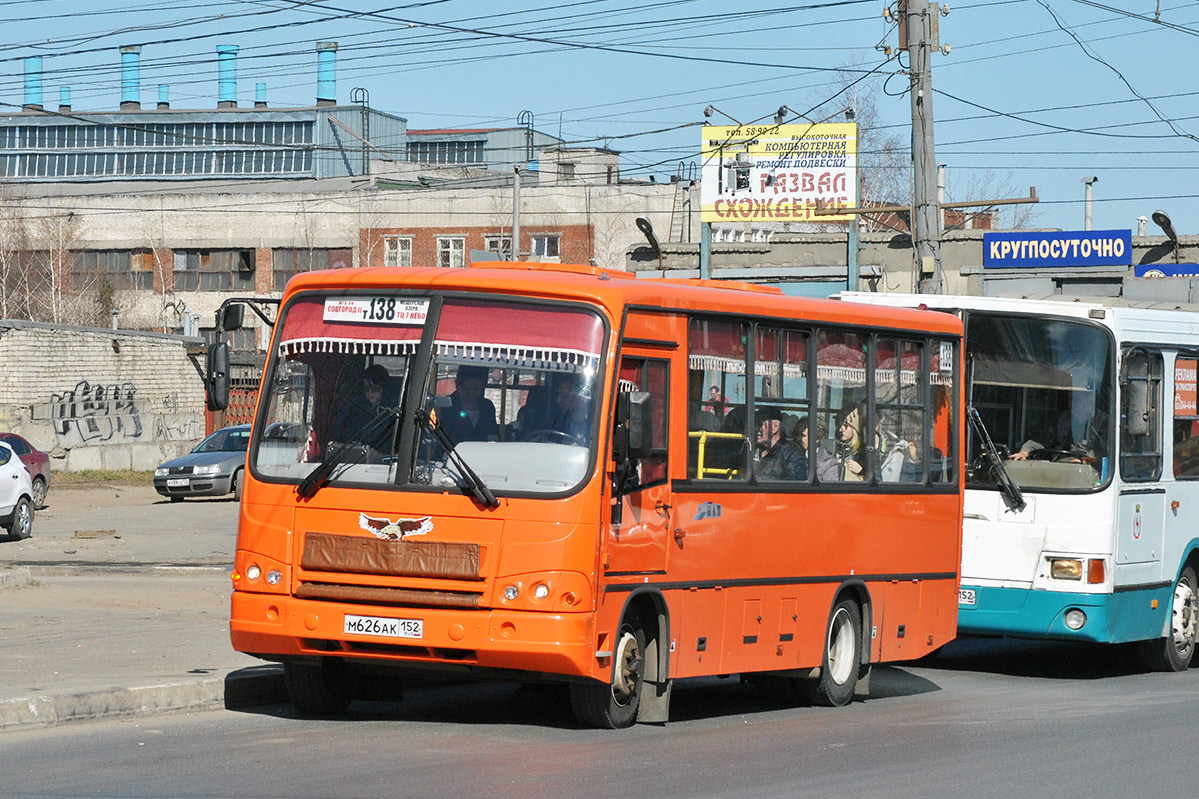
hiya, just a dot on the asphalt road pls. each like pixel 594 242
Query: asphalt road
pixel 985 719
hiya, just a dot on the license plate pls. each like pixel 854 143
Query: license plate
pixel 178 482
pixel 388 628
pixel 967 596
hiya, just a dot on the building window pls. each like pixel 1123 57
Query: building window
pixel 119 269
pixel 286 263
pixel 545 246
pixel 566 170
pixel 214 270
pixel 446 152
pixel 397 251
pixel 499 244
pixel 451 251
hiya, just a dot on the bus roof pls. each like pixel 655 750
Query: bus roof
pixel 616 290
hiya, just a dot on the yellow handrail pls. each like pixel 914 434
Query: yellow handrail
pixel 700 470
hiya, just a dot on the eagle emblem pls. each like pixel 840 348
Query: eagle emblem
pixel 398 530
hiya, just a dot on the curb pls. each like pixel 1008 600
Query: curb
pixel 11 578
pixel 248 687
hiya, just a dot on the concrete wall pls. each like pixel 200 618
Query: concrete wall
pixel 100 399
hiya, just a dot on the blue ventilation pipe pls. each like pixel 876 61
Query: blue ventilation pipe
pixel 226 55
pixel 164 96
pixel 260 95
pixel 131 77
pixel 326 73
pixel 33 82
pixel 64 98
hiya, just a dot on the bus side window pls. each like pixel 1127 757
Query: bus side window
pixel 717 443
pixel 1140 416
pixel 1186 419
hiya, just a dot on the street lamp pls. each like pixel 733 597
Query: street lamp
pixel 710 110
pixel 646 228
pixel 1162 220
pixel 1087 202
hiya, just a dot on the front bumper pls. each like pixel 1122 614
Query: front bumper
pixel 276 625
pixel 200 485
pixel 1026 613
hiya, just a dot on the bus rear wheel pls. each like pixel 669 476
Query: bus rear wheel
pixel 840 666
pixel 614 706
pixel 318 689
pixel 1174 652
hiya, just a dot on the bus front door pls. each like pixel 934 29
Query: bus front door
pixel 639 535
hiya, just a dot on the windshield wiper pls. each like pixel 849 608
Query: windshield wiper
pixel 478 489
pixel 320 475
pixel 348 452
pixel 1008 488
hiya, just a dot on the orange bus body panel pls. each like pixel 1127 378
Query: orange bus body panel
pixel 748 590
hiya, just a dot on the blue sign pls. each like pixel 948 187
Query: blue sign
pixel 1063 248
pixel 1166 270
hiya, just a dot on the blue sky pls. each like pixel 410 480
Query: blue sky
pixel 1032 93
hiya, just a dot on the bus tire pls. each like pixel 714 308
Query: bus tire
pixel 613 706
pixel 840 666
pixel 1174 652
pixel 318 689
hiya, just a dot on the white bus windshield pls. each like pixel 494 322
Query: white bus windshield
pixel 1044 388
pixel 512 385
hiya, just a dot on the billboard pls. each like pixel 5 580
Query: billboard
pixel 778 173
pixel 1060 248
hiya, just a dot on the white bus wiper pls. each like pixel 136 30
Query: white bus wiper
pixel 1008 488
pixel 478 489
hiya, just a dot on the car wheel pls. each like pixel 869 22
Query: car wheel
pixel 39 493
pixel 21 525
pixel 238 480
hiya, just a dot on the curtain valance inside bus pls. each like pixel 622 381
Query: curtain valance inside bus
pixel 517 335
pixel 306 330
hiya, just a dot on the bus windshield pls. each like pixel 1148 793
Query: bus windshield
pixel 1044 389
pixel 511 385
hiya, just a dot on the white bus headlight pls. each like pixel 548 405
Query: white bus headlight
pixel 1065 569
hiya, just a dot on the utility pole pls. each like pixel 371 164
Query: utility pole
pixel 515 254
pixel 918 20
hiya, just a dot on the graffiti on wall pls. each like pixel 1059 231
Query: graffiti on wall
pixel 92 413
pixel 178 427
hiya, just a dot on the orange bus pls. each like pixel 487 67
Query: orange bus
pixel 546 472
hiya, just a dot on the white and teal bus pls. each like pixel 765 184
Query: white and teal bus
pixel 1082 471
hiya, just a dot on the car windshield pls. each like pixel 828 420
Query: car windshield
pixel 1044 390
pixel 227 440
pixel 512 385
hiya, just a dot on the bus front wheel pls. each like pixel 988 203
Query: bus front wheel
pixel 614 706
pixel 840 666
pixel 1174 652
pixel 318 689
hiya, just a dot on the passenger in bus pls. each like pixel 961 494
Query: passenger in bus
pixel 471 416
pixel 826 462
pixel 850 449
pixel 365 418
pixel 570 414
pixel 780 458
pixel 533 414
pixel 1077 433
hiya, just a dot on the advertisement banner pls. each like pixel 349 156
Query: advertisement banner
pixel 1061 248
pixel 1165 270
pixel 1184 386
pixel 778 173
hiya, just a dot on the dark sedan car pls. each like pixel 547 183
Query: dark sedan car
pixel 215 467
pixel 37 463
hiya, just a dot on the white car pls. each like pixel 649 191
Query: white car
pixel 16 495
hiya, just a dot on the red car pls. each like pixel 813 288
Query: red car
pixel 37 463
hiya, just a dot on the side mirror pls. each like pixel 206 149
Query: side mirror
pixel 216 381
pixel 231 316
pixel 634 426
pixel 1136 401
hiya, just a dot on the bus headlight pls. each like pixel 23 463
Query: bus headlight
pixel 1075 619
pixel 511 592
pixel 1066 569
